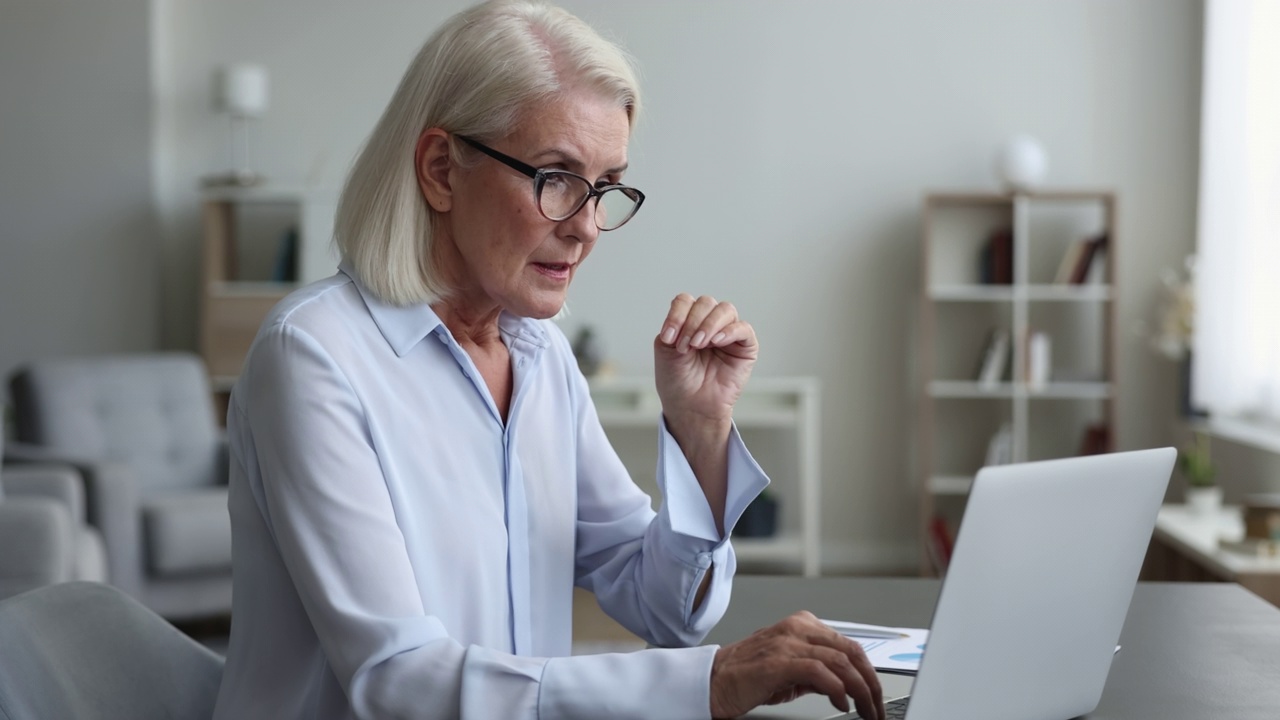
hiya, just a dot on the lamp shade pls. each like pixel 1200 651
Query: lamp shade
pixel 1022 163
pixel 243 90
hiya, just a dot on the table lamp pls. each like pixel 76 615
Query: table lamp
pixel 241 93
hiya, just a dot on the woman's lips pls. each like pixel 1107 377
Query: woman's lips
pixel 555 271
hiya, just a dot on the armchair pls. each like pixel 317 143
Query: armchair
pixel 43 538
pixel 141 431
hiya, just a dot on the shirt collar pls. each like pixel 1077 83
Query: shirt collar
pixel 405 327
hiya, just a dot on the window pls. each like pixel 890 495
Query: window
pixel 1237 329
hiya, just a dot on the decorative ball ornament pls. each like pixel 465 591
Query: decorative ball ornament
pixel 1021 163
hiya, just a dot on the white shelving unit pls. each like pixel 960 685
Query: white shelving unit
pixel 958 415
pixel 786 405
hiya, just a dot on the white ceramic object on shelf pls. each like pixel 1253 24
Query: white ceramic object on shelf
pixel 1021 163
pixel 1204 502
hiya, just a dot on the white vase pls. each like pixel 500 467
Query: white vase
pixel 1204 501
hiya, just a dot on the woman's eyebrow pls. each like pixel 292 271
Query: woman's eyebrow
pixel 571 162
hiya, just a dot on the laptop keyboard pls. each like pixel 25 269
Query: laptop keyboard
pixel 896 710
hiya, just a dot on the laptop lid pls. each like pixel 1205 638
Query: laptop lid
pixel 1044 568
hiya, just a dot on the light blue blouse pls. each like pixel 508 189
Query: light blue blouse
pixel 401 552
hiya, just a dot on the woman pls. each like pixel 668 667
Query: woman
pixel 418 476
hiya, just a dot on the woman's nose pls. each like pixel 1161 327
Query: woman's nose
pixel 581 226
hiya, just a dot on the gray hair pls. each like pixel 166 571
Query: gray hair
pixel 473 77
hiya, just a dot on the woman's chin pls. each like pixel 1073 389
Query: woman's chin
pixel 539 308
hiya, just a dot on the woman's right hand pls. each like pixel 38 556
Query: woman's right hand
pixel 795 657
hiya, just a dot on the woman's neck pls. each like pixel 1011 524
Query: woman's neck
pixel 469 324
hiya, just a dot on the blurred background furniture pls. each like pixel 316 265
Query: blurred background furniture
pixel 43 536
pixel 1188 547
pixel 141 431
pixel 88 651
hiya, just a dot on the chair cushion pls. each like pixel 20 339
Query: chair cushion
pixel 187 532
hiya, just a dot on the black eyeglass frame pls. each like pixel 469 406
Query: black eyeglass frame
pixel 540 176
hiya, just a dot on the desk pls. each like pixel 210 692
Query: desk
pixel 1191 650
pixel 1185 547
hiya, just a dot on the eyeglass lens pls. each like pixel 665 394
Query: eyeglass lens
pixel 563 194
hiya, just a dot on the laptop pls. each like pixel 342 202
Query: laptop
pixel 1040 580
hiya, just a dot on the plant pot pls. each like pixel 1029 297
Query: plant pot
pixel 1204 502
pixel 759 519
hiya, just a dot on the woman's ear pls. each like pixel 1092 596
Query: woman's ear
pixel 432 162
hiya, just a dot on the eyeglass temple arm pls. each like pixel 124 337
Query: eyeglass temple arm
pixel 507 160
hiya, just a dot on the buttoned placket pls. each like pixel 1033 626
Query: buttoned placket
pixel 524 359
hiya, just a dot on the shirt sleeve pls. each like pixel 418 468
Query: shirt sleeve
pixel 645 568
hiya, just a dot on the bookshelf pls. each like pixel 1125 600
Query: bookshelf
pixel 777 418
pixel 1017 339
pixel 247 268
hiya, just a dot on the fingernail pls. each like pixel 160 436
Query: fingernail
pixel 684 344
pixel 669 335
pixel 697 339
pixel 716 340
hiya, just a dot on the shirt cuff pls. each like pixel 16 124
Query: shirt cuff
pixel 655 683
pixel 686 505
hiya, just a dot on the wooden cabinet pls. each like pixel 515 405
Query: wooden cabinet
pixel 252 242
pixel 1017 348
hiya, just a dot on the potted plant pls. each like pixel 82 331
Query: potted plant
pixel 1204 497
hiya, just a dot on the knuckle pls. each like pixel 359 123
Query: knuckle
pixel 683 297
pixel 813 667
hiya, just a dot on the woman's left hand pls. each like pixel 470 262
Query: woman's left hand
pixel 702 358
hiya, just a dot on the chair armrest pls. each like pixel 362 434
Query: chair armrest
pixel 57 482
pixel 111 505
pixel 37 544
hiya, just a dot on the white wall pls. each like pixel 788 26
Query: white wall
pixel 784 150
pixel 79 251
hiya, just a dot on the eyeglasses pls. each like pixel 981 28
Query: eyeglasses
pixel 560 194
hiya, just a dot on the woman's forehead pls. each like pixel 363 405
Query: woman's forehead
pixel 576 127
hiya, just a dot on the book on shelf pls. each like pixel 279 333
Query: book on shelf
pixel 995 262
pixel 939 544
pixel 1069 260
pixel 1097 439
pixel 286 265
pixel 1000 447
pixel 1096 274
pixel 1080 260
pixel 995 359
